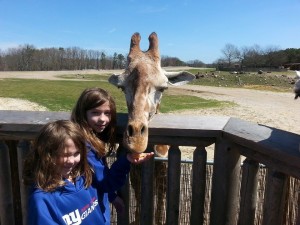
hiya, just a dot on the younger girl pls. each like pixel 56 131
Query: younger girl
pixel 64 190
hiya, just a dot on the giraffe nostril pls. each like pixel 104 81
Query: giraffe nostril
pixel 143 130
pixel 130 130
pixel 136 130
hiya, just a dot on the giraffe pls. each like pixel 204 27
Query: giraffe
pixel 143 83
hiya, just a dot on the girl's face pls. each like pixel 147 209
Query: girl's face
pixel 68 159
pixel 99 118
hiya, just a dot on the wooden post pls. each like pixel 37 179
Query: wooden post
pixel 147 203
pixel 23 149
pixel 199 184
pixel 124 194
pixel 225 184
pixel 6 195
pixel 13 153
pixel 298 210
pixel 173 192
pixel 275 196
pixel 248 192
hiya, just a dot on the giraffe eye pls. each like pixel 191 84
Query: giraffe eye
pixel 161 89
pixel 151 114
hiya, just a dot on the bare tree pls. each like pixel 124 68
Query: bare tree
pixel 121 61
pixel 115 61
pixel 231 53
pixel 2 61
pixel 253 56
pixel 103 60
pixel 272 57
pixel 171 61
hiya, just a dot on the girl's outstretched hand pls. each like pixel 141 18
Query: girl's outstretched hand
pixel 137 158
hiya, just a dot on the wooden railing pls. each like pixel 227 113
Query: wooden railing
pixel 232 201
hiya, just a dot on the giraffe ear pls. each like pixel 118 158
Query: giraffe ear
pixel 117 79
pixel 179 78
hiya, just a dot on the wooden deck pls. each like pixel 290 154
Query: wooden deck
pixel 232 201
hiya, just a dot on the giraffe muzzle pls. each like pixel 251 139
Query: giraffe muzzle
pixel 135 137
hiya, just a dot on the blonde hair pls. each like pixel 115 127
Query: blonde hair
pixel 40 165
pixel 92 98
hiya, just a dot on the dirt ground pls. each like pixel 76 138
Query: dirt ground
pixel 278 110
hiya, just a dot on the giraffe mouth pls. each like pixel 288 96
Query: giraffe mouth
pixel 135 137
pixel 135 144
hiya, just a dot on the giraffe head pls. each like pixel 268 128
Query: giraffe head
pixel 143 83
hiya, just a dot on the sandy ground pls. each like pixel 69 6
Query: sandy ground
pixel 278 110
pixel 272 109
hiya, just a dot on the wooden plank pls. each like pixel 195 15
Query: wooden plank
pixel 13 153
pixel 191 122
pixel 275 198
pixel 233 176
pixel 30 117
pixel 147 202
pixel 248 192
pixel 23 148
pixel 199 184
pixel 16 125
pixel 279 165
pixel 6 193
pixel 187 125
pixel 17 135
pixel 175 125
pixel 173 191
pixel 298 211
pixel 124 194
pixel 225 184
pixel 277 145
pixel 181 140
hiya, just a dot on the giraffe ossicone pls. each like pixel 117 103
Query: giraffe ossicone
pixel 143 83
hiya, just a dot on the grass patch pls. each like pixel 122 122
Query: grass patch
pixel 61 95
pixel 277 81
pixel 84 76
pixel 201 70
pixel 55 95
pixel 185 102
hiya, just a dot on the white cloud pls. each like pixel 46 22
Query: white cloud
pixel 112 30
pixel 7 45
pixel 151 9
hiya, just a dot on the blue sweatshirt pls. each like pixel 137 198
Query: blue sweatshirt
pixel 73 204
pixel 99 164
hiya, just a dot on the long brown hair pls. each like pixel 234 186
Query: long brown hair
pixel 40 165
pixel 92 98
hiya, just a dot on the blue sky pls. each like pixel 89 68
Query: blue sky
pixel 186 29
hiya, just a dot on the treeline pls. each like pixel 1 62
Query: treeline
pixel 257 57
pixel 29 58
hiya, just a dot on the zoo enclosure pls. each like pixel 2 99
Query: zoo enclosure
pixel 232 201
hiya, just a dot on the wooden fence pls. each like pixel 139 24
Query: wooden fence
pixel 234 188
